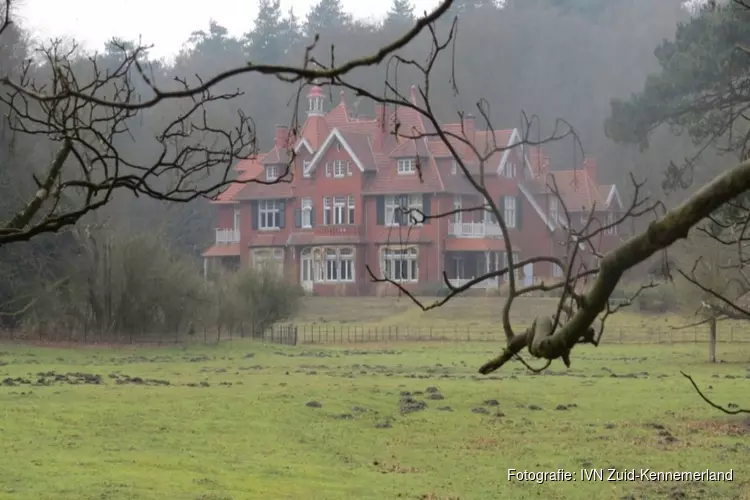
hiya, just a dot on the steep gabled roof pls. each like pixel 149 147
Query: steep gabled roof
pixel 613 195
pixel 248 170
pixel 373 148
pixel 306 143
pixel 357 145
pixel 411 148
pixel 578 190
pixel 277 156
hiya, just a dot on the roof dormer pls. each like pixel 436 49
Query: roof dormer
pixel 272 172
pixel 406 166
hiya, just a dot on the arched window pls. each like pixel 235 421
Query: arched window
pixel 400 263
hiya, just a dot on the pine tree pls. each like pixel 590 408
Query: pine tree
pixel 402 12
pixel 264 42
pixel 325 15
pixel 290 31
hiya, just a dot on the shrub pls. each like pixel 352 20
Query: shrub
pixel 122 283
pixel 260 298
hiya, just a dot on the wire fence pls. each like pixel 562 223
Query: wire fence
pixel 347 334
pixel 278 334
pixel 351 333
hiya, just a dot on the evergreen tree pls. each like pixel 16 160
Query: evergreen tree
pixel 264 41
pixel 290 32
pixel 325 15
pixel 401 13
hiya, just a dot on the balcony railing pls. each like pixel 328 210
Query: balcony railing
pixel 474 230
pixel 337 230
pixel 227 236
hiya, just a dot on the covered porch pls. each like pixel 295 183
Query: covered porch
pixel 221 258
pixel 464 266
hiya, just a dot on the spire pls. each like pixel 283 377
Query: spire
pixel 315 101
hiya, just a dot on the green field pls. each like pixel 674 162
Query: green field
pixel 234 422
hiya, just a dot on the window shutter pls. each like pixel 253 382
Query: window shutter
pixel 380 210
pixel 282 214
pixel 426 207
pixel 312 216
pixel 254 214
pixel 298 218
pixel 519 212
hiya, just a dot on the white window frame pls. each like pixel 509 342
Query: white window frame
pixel 509 170
pixel 307 208
pixel 269 215
pixel 457 205
pixel 339 210
pixel 348 168
pixel 351 206
pixel 337 265
pixel 406 166
pixel 339 168
pixel 328 169
pixel 272 173
pixel 584 217
pixel 327 211
pixel 557 271
pixel 554 207
pixel 610 219
pixel 316 104
pixel 338 146
pixel 454 167
pixel 269 258
pixel 236 219
pixel 509 211
pixel 392 203
pixel 400 264
pixel 305 169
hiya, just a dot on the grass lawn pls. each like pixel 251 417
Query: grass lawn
pixel 245 421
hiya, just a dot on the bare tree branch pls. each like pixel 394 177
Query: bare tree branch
pixel 728 411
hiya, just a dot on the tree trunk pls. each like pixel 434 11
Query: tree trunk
pixel 712 341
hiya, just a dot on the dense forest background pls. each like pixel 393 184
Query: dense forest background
pixel 550 58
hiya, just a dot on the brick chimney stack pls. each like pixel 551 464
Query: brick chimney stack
pixel 468 132
pixel 381 116
pixel 282 139
pixel 469 121
pixel 589 165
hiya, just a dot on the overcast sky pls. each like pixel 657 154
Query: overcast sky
pixel 164 23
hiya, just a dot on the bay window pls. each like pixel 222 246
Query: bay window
pixel 400 264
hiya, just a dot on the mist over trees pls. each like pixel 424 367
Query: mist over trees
pixel 551 58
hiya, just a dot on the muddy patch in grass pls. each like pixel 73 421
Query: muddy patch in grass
pixel 731 427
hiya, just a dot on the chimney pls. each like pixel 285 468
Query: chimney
pixel 281 140
pixel 381 116
pixel 589 165
pixel 542 163
pixel 469 127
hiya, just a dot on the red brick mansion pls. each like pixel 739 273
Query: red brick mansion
pixel 340 212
